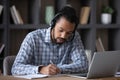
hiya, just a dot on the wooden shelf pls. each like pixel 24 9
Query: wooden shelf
pixel 28 26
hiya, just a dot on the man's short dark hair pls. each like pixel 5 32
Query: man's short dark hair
pixel 69 13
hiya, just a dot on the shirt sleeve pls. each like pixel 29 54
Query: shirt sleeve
pixel 78 57
pixel 24 60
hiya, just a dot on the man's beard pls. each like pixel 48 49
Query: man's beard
pixel 59 40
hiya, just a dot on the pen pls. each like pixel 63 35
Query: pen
pixel 58 70
pixel 51 62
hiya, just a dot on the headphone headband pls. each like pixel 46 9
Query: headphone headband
pixel 53 21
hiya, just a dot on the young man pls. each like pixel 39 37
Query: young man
pixel 57 49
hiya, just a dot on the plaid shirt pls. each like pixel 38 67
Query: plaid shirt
pixel 38 49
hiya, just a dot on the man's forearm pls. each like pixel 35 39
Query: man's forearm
pixel 22 69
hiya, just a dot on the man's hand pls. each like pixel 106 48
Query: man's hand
pixel 51 69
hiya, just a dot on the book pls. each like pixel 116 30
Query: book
pixel 16 15
pixel 13 16
pixel 84 15
pixel 32 76
pixel 2 46
pixel 20 18
pixel 99 45
pixel 1 9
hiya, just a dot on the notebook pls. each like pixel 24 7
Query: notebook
pixel 32 76
pixel 103 64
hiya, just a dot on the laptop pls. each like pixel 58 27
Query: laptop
pixel 103 64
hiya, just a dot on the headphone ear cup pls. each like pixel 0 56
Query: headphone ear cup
pixel 71 37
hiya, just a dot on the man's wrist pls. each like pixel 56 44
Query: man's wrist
pixel 39 68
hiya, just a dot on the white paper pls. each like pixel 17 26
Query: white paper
pixel 32 76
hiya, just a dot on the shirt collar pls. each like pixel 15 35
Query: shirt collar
pixel 48 35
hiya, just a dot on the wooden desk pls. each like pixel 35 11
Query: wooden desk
pixel 56 78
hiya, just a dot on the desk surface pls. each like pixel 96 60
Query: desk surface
pixel 56 78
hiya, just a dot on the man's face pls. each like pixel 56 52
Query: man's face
pixel 62 30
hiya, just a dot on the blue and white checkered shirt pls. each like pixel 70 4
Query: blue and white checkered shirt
pixel 38 49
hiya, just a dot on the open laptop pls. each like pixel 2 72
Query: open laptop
pixel 103 64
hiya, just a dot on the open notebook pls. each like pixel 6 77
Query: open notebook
pixel 32 76
pixel 103 64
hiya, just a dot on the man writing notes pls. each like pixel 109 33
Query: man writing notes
pixel 57 49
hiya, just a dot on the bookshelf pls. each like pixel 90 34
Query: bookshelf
pixel 33 15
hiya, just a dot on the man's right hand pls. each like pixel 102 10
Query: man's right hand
pixel 51 69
